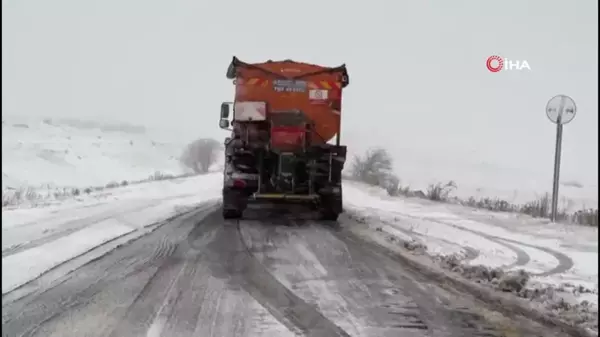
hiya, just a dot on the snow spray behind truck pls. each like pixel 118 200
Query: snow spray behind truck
pixel 285 116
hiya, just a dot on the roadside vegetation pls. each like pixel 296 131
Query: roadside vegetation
pixel 32 196
pixel 375 167
pixel 200 154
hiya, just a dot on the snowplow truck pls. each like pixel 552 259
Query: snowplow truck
pixel 282 148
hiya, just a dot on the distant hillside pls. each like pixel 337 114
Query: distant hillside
pixel 72 152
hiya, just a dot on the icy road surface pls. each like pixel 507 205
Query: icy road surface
pixel 157 259
pixel 198 275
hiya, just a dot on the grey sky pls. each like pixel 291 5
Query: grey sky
pixel 417 68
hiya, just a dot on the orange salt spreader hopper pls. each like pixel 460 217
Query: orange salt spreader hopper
pixel 288 85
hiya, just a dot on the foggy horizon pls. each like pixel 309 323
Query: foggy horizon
pixel 417 71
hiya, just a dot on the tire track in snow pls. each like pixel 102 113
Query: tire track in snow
pixel 28 314
pixel 149 313
pixel 57 215
pixel 76 223
pixel 351 290
pixel 197 290
pixel 565 263
pixel 141 313
pixel 179 313
pixel 47 278
pixel 56 275
pixel 522 258
pixel 446 311
pixel 71 227
pixel 216 302
pixel 363 290
pixel 291 310
pixel 470 252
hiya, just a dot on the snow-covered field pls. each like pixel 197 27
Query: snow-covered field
pixel 57 152
pixel 478 174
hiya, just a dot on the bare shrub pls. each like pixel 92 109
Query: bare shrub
pixel 393 186
pixel 112 184
pixel 375 168
pixel 539 208
pixel 161 176
pixel 12 196
pixel 491 204
pixel 200 155
pixel 587 217
pixel 439 191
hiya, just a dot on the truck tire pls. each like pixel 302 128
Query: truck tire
pixel 231 214
pixel 234 204
pixel 329 216
pixel 330 208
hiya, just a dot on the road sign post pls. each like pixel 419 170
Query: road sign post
pixel 556 176
pixel 560 110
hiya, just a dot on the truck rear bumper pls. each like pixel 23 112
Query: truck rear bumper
pixel 286 197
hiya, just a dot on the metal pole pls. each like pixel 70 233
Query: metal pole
pixel 557 152
pixel 559 129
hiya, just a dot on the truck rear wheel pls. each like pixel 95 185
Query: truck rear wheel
pixel 234 204
pixel 331 207
pixel 329 216
pixel 231 214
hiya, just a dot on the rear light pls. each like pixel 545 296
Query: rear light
pixel 239 183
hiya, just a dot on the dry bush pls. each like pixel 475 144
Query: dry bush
pixel 439 191
pixel 375 168
pixel 200 155
pixel 539 208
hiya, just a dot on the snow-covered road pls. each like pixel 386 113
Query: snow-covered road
pixel 201 276
pixel 68 235
pixel 157 259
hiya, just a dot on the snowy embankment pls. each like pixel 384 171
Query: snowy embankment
pixel 39 240
pixel 49 160
pixel 54 153
pixel 560 261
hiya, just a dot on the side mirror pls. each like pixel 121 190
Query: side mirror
pixel 224 111
pixel 224 123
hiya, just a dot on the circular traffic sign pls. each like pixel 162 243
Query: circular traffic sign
pixel 561 109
